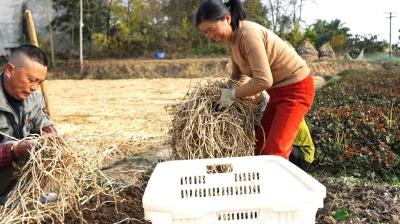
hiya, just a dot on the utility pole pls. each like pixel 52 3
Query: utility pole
pixel 390 33
pixel 80 39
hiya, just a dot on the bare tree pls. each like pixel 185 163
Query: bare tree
pixel 108 26
pixel 297 10
pixel 300 8
pixel 279 11
pixel 274 7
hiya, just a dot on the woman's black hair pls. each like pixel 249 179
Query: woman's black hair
pixel 216 10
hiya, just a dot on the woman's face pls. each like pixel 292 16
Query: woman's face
pixel 217 30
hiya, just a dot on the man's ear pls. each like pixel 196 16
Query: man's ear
pixel 8 69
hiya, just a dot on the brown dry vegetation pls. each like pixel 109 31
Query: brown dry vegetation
pixel 181 68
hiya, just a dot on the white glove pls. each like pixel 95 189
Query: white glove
pixel 48 197
pixel 263 104
pixel 227 98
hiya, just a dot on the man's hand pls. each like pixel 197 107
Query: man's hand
pixel 21 150
pixel 227 98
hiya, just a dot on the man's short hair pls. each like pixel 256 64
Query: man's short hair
pixel 32 52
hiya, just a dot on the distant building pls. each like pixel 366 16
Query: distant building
pixel 12 12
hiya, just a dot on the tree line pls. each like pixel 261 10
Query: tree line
pixel 138 28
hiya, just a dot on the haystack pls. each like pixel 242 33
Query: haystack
pixel 326 52
pixel 307 51
pixel 198 130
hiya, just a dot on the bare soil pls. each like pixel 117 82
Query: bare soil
pixel 128 208
pixel 365 202
pixel 98 106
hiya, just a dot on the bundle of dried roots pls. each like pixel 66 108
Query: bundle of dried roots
pixel 200 131
pixel 69 172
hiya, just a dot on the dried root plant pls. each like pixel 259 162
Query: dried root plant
pixel 58 167
pixel 200 131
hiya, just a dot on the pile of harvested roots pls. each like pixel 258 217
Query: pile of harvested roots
pixel 198 130
pixel 69 172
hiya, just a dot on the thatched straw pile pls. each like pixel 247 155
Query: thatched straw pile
pixel 55 166
pixel 199 131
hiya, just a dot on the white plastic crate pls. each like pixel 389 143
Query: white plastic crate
pixel 254 190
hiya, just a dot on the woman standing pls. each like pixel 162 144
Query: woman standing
pixel 271 64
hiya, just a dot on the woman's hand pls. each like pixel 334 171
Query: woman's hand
pixel 254 98
pixel 226 100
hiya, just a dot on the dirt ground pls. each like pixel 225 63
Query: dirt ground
pixel 127 120
pixel 126 107
pixel 127 210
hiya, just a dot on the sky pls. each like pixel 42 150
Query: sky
pixel 361 16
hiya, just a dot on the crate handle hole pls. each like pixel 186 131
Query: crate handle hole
pixel 219 168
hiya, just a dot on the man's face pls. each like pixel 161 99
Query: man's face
pixel 21 80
